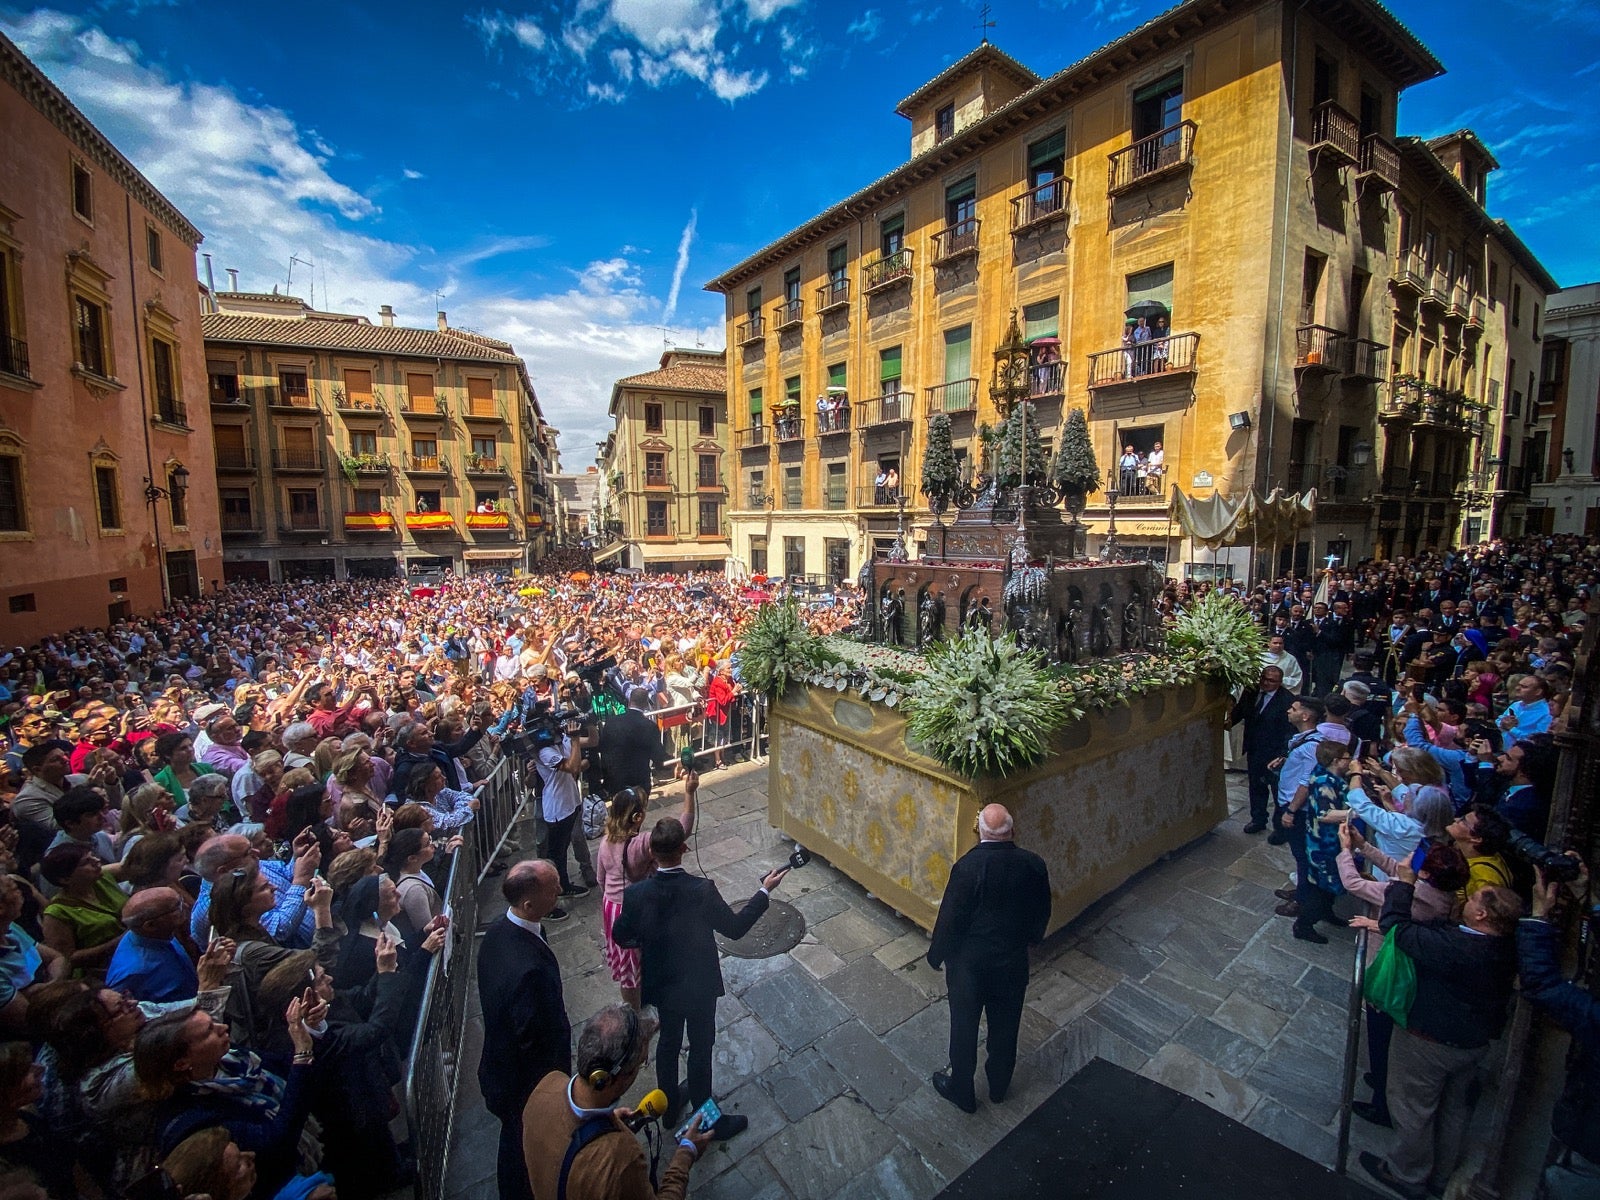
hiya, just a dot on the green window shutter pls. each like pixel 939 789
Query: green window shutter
pixel 1154 284
pixel 889 364
pixel 838 258
pixel 894 224
pixel 964 190
pixel 1051 149
pixel 791 389
pixel 958 353
pixel 836 375
pixel 1042 320
pixel 755 401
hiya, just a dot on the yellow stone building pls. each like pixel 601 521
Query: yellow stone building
pixel 1231 170
pixel 346 448
pixel 663 495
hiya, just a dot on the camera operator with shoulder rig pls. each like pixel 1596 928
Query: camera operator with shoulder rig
pixel 560 738
pixel 1576 1120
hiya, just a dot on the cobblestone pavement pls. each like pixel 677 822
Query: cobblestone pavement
pixel 1183 974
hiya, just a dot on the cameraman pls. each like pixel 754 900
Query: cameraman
pixel 567 1113
pixel 1576 1120
pixel 631 744
pixel 560 763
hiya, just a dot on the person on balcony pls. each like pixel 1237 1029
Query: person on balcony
pixel 1155 466
pixel 1141 348
pixel 1127 348
pixel 880 486
pixel 891 486
pixel 1128 468
pixel 1159 344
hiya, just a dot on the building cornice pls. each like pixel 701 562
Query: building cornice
pixel 18 70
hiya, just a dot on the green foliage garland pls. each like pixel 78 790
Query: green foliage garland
pixel 778 649
pixel 1222 639
pixel 984 706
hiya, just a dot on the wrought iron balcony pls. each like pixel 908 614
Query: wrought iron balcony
pixel 834 294
pixel 754 436
pixel 301 524
pixel 1046 380
pixel 1165 151
pixel 297 460
pixel 1335 134
pixel 171 411
pixel 888 409
pixel 752 329
pixel 426 464
pixel 484 464
pixel 956 396
pixel 1319 349
pixel 887 271
pixel 424 408
pixel 235 458
pixel 657 479
pixel 360 404
pixel 1379 165
pixel 482 411
pixel 1438 289
pixel 241 523
pixel 1041 205
pixel 1143 362
pixel 789 314
pixel 788 425
pixel 278 396
pixel 1366 359
pixel 956 241
pixel 872 495
pixel 1477 314
pixel 1458 303
pixel 833 420
pixel 14 357
pixel 1410 273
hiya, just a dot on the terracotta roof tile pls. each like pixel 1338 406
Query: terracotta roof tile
pixel 682 377
pixel 344 335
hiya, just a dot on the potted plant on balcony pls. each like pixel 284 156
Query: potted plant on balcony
pixel 1075 472
pixel 939 466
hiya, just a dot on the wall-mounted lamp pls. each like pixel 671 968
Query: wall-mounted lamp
pixel 1239 420
pixel 1361 454
pixel 1566 458
pixel 179 478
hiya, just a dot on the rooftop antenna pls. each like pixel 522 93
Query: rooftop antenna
pixel 984 23
pixel 289 283
pixel 666 339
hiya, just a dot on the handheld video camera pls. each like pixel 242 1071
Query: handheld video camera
pixel 1556 866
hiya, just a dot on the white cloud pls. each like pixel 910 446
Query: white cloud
pixel 622 64
pixel 249 177
pixel 682 265
pixel 496 25
pixel 410 174
pixel 866 26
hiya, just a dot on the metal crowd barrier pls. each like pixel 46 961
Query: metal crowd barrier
pixel 435 1063
pixel 747 728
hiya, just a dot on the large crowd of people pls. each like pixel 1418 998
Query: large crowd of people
pixel 225 833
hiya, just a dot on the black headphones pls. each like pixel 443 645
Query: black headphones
pixel 606 1073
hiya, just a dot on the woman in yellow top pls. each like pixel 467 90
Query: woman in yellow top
pixel 84 921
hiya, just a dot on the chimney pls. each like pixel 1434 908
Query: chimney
pixel 444 323
pixel 233 280
pixel 386 314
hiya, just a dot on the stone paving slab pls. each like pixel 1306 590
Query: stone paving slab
pixel 1184 974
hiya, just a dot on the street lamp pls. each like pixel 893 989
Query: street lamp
pixel 179 479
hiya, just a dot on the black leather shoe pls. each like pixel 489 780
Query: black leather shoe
pixel 729 1125
pixel 1309 933
pixel 1369 1111
pixel 1256 827
pixel 998 1097
pixel 1288 909
pixel 1379 1170
pixel 1287 893
pixel 945 1086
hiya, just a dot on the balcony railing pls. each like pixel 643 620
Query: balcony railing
pixel 1411 273
pixel 296 460
pixel 171 412
pixel 303 523
pixel 787 424
pixel 1154 359
pixel 278 396
pixel 426 408
pixel 1366 359
pixel 834 420
pixel 754 436
pixel 887 271
pixel 1379 164
pixel 14 357
pixel 789 314
pixel 956 241
pixel 1332 481
pixel 482 411
pixel 1166 150
pixel 484 464
pixel 366 464
pixel 1318 349
pixel 426 464
pixel 956 396
pixel 235 458
pixel 233 522
pixel 356 402
pixel 1459 304
pixel 887 409
pixel 1335 133
pixel 1046 379
pixel 1040 205
pixel 872 495
pixel 752 329
pixel 1477 315
pixel 657 479
pixel 1438 290
pixel 833 294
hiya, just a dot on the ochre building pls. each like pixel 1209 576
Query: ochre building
pixel 1202 231
pixel 347 448
pixel 107 502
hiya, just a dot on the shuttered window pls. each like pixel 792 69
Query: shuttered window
pixel 358 387
pixel 958 353
pixel 1042 320
pixel 889 365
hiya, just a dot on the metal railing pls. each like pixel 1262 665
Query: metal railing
pixel 172 412
pixel 296 460
pixel 1379 162
pixel 1040 205
pixel 872 495
pixel 1168 355
pixel 1046 379
pixel 1332 128
pixel 483 464
pixel 956 240
pixel 1319 348
pixel 833 294
pixel 240 523
pixel 426 464
pixel 1366 359
pixel 14 356
pixel 234 458
pixel 752 329
pixel 956 396
pixel 1166 149
pixel 753 436
pixel 278 396
pixel 423 406
pixel 788 425
pixel 890 269
pixel 1411 272
pixel 482 412
pixel 886 409
pixel 833 420
pixel 789 314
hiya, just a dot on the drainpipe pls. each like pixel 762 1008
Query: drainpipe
pixel 150 502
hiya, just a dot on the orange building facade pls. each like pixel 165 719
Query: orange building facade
pixel 108 502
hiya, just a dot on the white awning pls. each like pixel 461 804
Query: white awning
pixel 610 552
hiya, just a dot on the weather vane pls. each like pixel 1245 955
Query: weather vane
pixel 984 23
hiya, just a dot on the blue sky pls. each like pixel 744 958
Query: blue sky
pixel 568 175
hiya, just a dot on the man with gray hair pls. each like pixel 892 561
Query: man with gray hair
pixel 299 743
pixel 996 904
pixel 566 1114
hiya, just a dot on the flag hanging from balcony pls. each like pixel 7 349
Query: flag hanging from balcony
pixel 479 520
pixel 357 522
pixel 429 521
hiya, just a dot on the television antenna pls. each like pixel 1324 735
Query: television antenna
pixel 289 283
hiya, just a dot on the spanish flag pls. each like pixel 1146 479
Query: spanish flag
pixel 368 521
pixel 429 521
pixel 477 520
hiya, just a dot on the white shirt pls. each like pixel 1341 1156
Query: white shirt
pixel 561 794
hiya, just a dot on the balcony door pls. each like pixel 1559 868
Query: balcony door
pixel 1158 106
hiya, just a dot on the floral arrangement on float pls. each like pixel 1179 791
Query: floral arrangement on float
pixel 980 703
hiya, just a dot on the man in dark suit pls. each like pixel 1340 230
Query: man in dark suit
pixel 996 905
pixel 630 744
pixel 1264 709
pixel 671 918
pixel 1335 639
pixel 526 1034
pixel 1299 639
